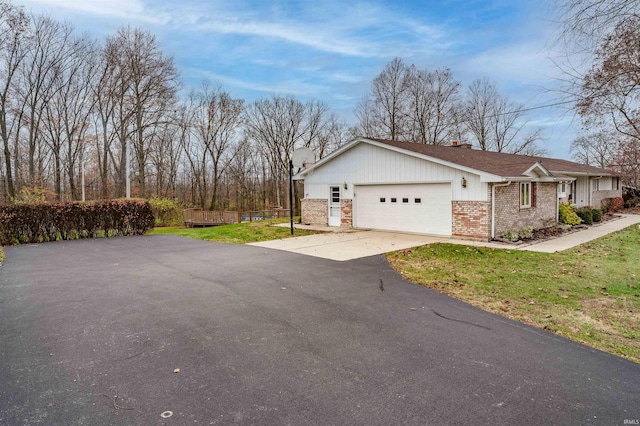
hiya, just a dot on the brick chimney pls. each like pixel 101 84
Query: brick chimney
pixel 461 145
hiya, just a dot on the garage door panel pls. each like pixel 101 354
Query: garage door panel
pixel 423 208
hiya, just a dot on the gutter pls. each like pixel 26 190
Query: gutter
pixel 493 206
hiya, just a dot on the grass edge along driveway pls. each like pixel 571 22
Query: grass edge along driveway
pixel 590 294
pixel 239 233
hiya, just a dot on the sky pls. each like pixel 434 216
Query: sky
pixel 331 50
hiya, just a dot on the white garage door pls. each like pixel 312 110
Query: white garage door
pixel 422 208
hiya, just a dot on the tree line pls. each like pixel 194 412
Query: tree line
pixel 600 41
pixel 75 111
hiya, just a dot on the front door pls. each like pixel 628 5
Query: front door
pixel 334 206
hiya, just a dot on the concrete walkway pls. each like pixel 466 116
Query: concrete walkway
pixel 347 244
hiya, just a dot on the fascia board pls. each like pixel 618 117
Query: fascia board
pixel 538 166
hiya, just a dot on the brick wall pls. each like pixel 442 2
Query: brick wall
pixel 471 219
pixel 315 211
pixel 346 209
pixel 509 215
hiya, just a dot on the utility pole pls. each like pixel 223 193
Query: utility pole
pixel 128 161
pixel 291 193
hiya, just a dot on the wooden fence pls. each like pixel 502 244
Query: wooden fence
pixel 199 217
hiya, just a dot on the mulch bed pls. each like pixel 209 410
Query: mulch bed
pixel 560 230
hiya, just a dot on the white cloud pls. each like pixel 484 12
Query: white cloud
pixel 288 87
pixel 320 40
pixel 359 30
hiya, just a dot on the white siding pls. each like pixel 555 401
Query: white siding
pixel 583 191
pixel 606 183
pixel 367 165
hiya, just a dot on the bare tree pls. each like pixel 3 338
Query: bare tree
pixel 596 149
pixel 165 156
pixel 217 119
pixel 279 125
pixel 335 134
pixel 14 25
pixel 626 160
pixel 479 111
pixel 105 94
pixel 143 82
pixel 384 112
pixel 67 112
pixel 433 99
pixel 584 24
pixel 49 50
pixel 153 82
pixel 611 88
pixel 495 123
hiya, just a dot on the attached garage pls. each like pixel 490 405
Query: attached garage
pixel 421 208
pixel 441 190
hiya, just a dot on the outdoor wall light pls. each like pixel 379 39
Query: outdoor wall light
pixel 464 182
pixel 344 185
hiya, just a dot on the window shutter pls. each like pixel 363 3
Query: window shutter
pixel 534 185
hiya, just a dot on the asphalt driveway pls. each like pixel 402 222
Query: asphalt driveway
pixel 92 331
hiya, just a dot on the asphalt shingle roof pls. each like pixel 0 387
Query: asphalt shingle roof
pixel 497 163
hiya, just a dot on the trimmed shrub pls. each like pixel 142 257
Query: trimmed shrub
pixel 526 232
pixel 511 235
pixel 596 214
pixel 612 205
pixel 632 202
pixel 585 215
pixel 166 211
pixel 568 214
pixel 34 223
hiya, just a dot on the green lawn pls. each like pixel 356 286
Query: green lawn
pixel 590 294
pixel 241 233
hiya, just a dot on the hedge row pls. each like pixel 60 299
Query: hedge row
pixel 34 223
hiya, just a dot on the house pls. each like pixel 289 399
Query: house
pixel 445 190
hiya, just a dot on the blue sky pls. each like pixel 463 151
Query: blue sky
pixel 331 50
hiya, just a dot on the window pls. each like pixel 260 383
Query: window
pixel 417 200
pixel 405 200
pixel 596 184
pixel 335 194
pixel 382 199
pixel 525 194
pixel 393 200
pixel 563 188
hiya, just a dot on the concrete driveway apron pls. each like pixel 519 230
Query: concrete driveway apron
pixel 349 245
pixel 355 244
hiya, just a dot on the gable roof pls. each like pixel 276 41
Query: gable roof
pixel 498 164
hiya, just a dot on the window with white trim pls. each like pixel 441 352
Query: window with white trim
pixel 562 190
pixel 525 194
pixel 596 184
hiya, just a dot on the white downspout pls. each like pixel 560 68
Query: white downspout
pixel 493 206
